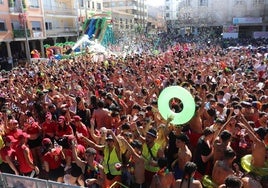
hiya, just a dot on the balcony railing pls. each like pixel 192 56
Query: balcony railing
pixel 67 31
pixel 60 11
pixel 20 33
pixel 37 34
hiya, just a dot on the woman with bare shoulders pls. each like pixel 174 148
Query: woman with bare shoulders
pixel 163 178
pixel 187 180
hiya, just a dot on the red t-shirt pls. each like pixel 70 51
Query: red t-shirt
pixel 49 128
pixel 32 128
pixel 24 167
pixel 53 158
pixel 82 129
pixel 68 153
pixel 7 151
pixel 15 133
pixel 61 132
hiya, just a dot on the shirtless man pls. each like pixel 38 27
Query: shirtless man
pixel 163 178
pixel 183 155
pixel 196 122
pixel 101 116
pixel 138 161
pixel 223 168
pixel 221 145
pixel 258 146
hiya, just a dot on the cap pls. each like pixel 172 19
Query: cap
pixel 9 139
pixel 80 149
pixel 109 137
pixel 136 144
pixel 152 132
pixel 246 104
pixel 46 141
pixel 13 121
pixel 77 118
pixel 91 151
pixel 257 104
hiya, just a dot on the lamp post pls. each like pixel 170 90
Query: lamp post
pixel 27 50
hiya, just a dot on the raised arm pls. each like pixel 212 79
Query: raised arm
pixel 78 161
pixel 92 132
pixel 130 148
pixel 91 143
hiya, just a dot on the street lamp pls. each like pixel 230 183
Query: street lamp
pixel 24 21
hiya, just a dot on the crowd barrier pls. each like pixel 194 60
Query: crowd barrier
pixel 14 181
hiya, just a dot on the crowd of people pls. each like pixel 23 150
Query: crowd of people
pixel 94 121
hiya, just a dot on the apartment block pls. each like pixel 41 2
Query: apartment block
pixel 20 21
pixel 128 15
pixel 244 17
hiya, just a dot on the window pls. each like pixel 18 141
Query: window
pixel 1 2
pixel 187 3
pixel 2 26
pixel 15 25
pixel 93 5
pixel 105 5
pixel 81 3
pixel 258 2
pixel 48 26
pixel 34 3
pixel 203 2
pixel 36 26
pixel 167 7
pixel 167 15
pixel 239 2
pixel 98 6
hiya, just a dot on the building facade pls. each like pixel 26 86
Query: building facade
pixel 60 21
pixel 244 17
pixel 128 15
pixel 22 23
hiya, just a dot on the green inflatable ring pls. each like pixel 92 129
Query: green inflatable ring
pixel 246 165
pixel 207 182
pixel 187 100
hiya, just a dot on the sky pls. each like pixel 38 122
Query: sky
pixel 156 2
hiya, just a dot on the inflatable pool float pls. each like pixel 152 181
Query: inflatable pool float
pixel 246 165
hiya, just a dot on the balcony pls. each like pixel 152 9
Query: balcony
pixel 15 10
pixel 37 34
pixel 20 33
pixel 59 11
pixel 61 32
